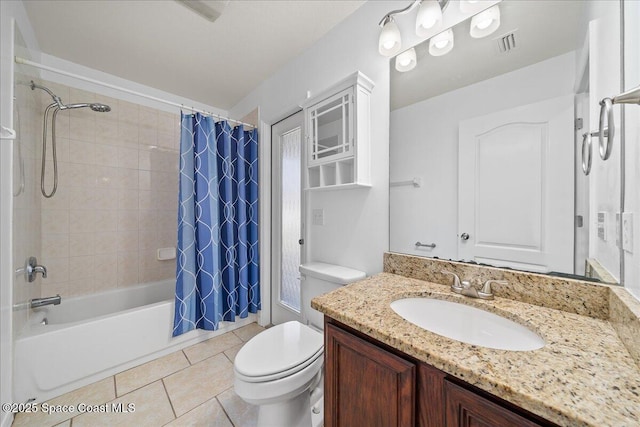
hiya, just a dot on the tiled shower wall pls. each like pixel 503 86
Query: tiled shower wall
pixel 116 202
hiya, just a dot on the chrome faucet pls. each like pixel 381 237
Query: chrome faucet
pixel 32 268
pixel 41 302
pixel 465 287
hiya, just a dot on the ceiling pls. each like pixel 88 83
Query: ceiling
pixel 542 28
pixel 164 45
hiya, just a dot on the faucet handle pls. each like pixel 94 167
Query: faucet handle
pixel 456 279
pixel 486 291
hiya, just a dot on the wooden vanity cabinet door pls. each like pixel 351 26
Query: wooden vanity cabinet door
pixel 465 408
pixel 366 386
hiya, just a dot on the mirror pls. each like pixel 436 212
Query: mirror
pixel 485 162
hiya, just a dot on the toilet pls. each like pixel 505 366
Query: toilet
pixel 282 368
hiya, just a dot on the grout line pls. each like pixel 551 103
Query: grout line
pixel 115 387
pixel 187 357
pixel 224 410
pixel 169 398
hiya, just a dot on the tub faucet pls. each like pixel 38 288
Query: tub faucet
pixel 41 302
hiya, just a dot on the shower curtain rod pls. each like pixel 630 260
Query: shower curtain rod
pixel 20 60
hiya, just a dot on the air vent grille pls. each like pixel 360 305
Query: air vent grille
pixel 507 42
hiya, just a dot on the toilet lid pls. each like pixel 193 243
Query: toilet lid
pixel 279 349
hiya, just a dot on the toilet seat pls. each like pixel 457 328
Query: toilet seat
pixel 278 352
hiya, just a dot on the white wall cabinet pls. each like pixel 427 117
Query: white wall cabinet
pixel 337 135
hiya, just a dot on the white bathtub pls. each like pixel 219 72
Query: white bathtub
pixel 93 337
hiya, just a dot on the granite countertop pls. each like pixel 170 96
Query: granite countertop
pixel 583 376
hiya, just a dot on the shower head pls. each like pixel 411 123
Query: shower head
pixel 100 108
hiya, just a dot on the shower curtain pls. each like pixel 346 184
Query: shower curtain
pixel 217 275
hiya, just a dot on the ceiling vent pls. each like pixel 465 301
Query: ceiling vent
pixel 507 42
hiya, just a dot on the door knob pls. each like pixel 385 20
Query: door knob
pixel 464 236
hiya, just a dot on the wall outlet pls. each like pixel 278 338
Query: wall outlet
pixel 602 225
pixel 627 231
pixel 317 217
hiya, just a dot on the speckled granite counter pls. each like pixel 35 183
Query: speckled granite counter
pixel 584 376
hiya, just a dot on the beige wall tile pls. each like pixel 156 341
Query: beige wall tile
pixel 128 269
pixel 152 408
pixel 128 220
pixel 81 244
pixel 81 287
pixel 109 205
pixel 106 220
pixel 81 267
pixel 142 375
pixel 128 133
pixel 106 155
pixel 106 242
pixel 208 414
pixel 55 245
pixel 187 390
pixel 211 347
pixel 128 178
pixel 57 269
pixel 106 176
pixel 127 158
pixel 55 221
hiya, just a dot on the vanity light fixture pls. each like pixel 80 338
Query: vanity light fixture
pixel 485 23
pixel 406 61
pixel 429 16
pixel 442 43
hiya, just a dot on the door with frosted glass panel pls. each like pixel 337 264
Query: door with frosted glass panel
pixel 287 221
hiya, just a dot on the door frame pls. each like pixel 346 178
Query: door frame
pixel 275 215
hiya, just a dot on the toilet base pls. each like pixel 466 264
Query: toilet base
pixel 294 412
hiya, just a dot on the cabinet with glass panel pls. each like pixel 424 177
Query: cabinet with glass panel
pixel 337 131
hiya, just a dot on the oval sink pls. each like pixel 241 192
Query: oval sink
pixel 467 324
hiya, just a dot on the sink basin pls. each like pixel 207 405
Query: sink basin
pixel 467 324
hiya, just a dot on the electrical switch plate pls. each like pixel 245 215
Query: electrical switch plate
pixel 602 225
pixel 627 231
pixel 317 217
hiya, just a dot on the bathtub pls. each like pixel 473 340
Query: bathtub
pixel 92 337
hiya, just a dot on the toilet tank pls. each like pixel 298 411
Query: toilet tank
pixel 319 278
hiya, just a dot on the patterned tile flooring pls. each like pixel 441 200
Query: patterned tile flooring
pixel 191 387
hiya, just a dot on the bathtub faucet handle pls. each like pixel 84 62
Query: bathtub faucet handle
pixel 32 268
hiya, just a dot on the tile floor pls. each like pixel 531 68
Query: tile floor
pixel 191 387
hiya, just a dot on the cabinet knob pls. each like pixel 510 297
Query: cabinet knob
pixel 301 242
pixel 464 236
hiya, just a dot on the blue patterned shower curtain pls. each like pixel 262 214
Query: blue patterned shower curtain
pixel 217 276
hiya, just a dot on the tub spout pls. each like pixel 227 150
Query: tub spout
pixel 40 302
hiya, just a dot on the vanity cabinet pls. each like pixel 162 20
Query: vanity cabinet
pixel 337 134
pixel 369 384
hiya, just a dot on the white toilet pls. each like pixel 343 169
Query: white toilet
pixel 281 369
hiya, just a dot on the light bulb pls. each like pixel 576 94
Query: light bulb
pixel 442 43
pixel 406 61
pixel 390 42
pixel 429 16
pixel 485 23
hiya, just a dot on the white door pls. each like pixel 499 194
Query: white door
pixel 287 225
pixel 516 185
